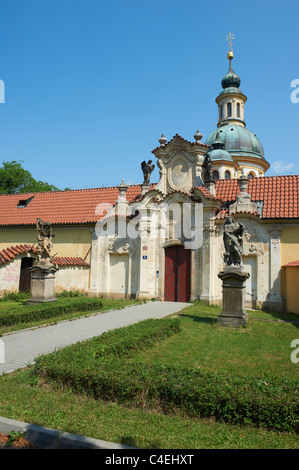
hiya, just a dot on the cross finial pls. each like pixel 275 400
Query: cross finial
pixel 230 37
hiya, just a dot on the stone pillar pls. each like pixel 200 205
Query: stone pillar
pixel 94 265
pixel 143 289
pixel 145 187
pixel 42 282
pixel 233 305
pixel 275 300
pixel 209 263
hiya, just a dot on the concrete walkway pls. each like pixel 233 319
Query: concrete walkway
pixel 22 347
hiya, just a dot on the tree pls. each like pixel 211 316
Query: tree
pixel 14 179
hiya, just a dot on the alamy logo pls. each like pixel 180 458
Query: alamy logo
pixel 295 353
pixel 295 93
pixel 2 351
pixel 2 91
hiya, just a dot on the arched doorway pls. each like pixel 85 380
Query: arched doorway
pixel 25 274
pixel 177 274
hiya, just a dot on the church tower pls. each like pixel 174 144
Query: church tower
pixel 244 148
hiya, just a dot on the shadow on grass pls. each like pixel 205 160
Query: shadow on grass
pixel 209 320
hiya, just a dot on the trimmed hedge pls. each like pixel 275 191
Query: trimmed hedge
pixel 26 313
pixel 93 368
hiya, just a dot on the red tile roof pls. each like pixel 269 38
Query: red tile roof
pixel 280 194
pixel 60 207
pixel 7 254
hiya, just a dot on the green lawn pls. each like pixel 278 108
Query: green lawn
pixel 24 399
pixel 19 307
pixel 260 350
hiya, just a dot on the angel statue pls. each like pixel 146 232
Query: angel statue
pixel 233 242
pixel 44 237
pixel 147 169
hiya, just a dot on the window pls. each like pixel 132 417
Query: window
pixel 229 109
pixel 238 110
pixel 251 175
pixel 227 175
pixel 24 202
pixel 216 175
pixel 220 112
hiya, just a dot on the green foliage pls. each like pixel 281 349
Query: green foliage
pixel 14 179
pixel 19 314
pixel 70 293
pixel 107 367
pixel 14 295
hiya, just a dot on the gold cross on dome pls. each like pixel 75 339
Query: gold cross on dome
pixel 230 37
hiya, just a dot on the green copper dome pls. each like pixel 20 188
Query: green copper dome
pixel 218 152
pixel 238 140
pixel 231 79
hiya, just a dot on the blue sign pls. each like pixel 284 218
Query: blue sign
pixel 144 257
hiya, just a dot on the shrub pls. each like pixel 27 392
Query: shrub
pixel 108 367
pixel 26 313
pixel 15 295
pixel 70 293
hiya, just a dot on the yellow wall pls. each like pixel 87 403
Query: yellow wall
pixel 289 243
pixel 289 252
pixel 292 290
pixel 68 241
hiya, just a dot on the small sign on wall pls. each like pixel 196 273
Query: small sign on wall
pixel 144 257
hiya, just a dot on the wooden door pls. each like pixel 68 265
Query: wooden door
pixel 177 274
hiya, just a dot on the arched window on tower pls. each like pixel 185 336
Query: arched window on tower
pixel 220 111
pixel 229 109
pixel 251 175
pixel 216 175
pixel 227 175
pixel 238 110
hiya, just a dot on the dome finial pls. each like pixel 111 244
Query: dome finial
pixel 230 55
pixel 231 79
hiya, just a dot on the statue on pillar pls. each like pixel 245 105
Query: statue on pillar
pixel 147 169
pixel 233 242
pixel 44 240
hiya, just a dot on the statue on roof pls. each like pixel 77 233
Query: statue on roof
pixel 233 242
pixel 147 169
pixel 44 237
pixel 207 168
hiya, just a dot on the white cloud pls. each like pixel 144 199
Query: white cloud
pixel 280 167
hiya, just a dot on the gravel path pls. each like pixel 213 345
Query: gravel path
pixel 22 347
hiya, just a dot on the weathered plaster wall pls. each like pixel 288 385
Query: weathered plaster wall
pixel 10 276
pixel 68 241
pixel 72 278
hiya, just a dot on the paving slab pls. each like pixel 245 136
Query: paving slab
pixel 22 347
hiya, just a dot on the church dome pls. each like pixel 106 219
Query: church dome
pixel 238 140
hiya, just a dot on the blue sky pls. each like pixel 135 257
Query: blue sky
pixel 90 85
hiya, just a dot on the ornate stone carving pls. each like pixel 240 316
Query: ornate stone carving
pixel 233 242
pixel 44 237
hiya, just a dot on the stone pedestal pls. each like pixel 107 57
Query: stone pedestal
pixel 233 305
pixel 42 282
